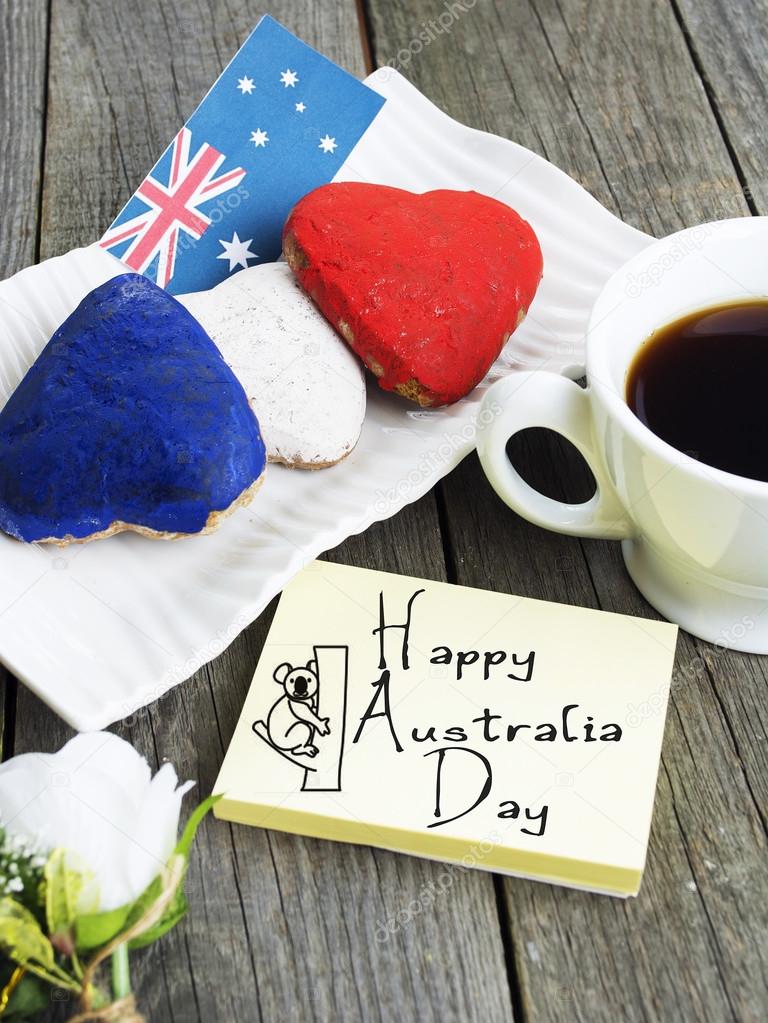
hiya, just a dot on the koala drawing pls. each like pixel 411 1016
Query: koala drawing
pixel 292 720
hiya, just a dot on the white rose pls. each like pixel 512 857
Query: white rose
pixel 97 799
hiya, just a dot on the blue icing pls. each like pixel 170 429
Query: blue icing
pixel 129 413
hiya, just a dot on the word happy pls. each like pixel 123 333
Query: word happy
pixel 568 725
pixel 464 659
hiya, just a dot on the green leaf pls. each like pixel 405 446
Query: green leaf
pixel 96 929
pixel 63 887
pixel 21 936
pixel 29 997
pixel 175 911
pixel 92 930
pixel 184 844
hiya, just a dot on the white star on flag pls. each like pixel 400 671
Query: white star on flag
pixel 237 252
pixel 328 144
pixel 245 85
pixel 300 108
pixel 289 78
pixel 259 138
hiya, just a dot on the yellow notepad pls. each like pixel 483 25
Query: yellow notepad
pixel 463 725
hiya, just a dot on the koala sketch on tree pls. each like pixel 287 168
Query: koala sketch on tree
pixel 293 721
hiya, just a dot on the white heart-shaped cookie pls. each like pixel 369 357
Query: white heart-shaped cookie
pixel 305 385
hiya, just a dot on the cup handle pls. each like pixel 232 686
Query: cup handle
pixel 538 398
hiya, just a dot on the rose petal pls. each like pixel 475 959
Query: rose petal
pixel 97 798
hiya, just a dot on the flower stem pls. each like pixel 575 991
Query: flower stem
pixel 121 977
pixel 56 976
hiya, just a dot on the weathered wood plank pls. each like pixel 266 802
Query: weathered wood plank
pixel 729 43
pixel 23 34
pixel 558 78
pixel 590 87
pixel 281 927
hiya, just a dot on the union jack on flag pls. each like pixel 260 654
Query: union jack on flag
pixel 280 120
pixel 174 207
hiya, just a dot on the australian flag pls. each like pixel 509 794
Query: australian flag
pixel 280 120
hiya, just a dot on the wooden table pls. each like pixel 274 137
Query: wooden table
pixel 658 107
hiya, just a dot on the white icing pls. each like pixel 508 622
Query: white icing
pixel 306 387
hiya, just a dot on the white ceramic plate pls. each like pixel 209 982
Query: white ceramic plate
pixel 99 630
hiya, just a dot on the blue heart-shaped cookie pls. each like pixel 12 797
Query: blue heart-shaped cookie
pixel 129 419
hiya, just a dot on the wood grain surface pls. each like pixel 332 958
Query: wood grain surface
pixel 655 106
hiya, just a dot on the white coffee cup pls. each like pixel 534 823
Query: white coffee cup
pixel 694 538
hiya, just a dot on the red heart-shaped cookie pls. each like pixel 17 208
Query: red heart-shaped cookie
pixel 425 288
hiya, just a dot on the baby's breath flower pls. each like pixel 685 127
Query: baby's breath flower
pixel 21 871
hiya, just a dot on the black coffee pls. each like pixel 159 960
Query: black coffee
pixel 701 384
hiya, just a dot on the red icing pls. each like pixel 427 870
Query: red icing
pixel 423 287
